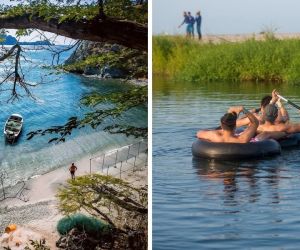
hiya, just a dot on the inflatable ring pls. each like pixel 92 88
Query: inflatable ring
pixel 297 135
pixel 235 151
pixel 290 141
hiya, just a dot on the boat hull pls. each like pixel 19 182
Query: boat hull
pixel 13 127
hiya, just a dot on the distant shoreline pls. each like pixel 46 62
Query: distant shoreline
pixel 244 37
pixel 217 38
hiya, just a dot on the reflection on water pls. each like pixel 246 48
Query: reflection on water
pixel 239 177
pixel 202 204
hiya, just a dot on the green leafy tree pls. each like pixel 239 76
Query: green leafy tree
pixel 118 21
pixel 113 200
pixel 115 21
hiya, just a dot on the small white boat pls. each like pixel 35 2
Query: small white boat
pixel 13 127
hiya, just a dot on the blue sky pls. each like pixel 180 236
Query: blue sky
pixel 228 16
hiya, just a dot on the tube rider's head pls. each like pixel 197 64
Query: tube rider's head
pixel 270 113
pixel 198 13
pixel 184 14
pixel 228 121
pixel 264 102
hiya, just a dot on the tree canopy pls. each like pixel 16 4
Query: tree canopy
pixel 116 21
pixel 105 197
pixel 118 203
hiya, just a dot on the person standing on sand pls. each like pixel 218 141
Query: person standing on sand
pixel 198 20
pixel 186 21
pixel 72 170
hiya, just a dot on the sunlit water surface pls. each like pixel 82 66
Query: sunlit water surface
pixel 219 205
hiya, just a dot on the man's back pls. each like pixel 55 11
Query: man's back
pixel 281 127
pixel 73 168
pixel 228 124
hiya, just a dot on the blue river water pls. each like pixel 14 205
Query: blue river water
pixel 219 205
pixel 57 99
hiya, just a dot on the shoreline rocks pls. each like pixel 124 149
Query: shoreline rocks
pixel 104 70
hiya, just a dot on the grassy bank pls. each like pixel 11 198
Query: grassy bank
pixel 271 60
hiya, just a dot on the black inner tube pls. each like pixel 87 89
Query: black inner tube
pixel 232 151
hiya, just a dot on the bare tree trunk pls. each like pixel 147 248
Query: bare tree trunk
pixel 17 76
pixel 101 9
pixel 17 61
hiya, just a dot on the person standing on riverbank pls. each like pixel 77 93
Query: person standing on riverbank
pixel 186 21
pixel 191 24
pixel 198 20
pixel 72 170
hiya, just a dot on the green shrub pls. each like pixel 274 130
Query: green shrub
pixel 90 225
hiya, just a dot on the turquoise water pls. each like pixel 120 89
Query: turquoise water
pixel 219 205
pixel 57 99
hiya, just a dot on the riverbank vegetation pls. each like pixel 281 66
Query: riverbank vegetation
pixel 270 60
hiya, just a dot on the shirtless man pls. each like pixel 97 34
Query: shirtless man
pixel 282 117
pixel 228 125
pixel 271 113
pixel 72 170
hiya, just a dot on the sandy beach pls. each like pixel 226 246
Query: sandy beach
pixel 40 213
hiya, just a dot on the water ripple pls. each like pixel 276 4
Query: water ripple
pixel 212 204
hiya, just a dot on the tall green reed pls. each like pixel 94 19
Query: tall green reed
pixel 271 60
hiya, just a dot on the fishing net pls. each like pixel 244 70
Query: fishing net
pixel 90 225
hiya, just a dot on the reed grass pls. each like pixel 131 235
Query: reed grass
pixel 271 60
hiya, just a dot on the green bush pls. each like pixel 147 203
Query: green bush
pixel 90 225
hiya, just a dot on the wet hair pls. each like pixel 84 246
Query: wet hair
pixel 189 12
pixel 271 113
pixel 265 101
pixel 228 121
